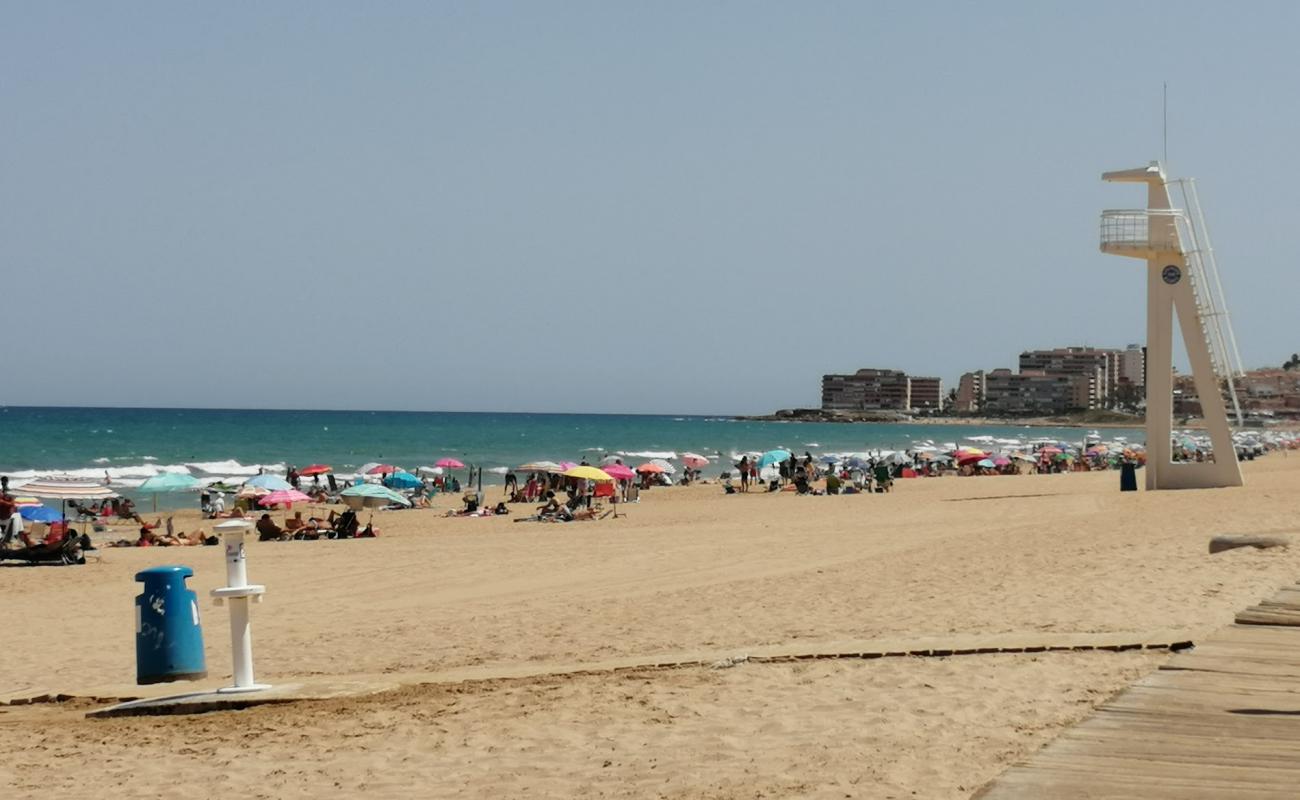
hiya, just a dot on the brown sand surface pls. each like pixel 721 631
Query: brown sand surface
pixel 687 571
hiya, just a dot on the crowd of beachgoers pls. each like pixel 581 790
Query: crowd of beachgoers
pixel 34 529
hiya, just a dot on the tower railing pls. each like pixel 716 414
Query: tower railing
pixel 1137 231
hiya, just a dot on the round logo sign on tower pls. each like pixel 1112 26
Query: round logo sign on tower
pixel 1171 274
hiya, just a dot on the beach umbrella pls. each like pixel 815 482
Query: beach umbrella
pixel 694 461
pixel 61 489
pixel 650 468
pixel 449 463
pixel 65 490
pixel 669 469
pixel 284 497
pixel 566 465
pixel 970 458
pixel 402 480
pixel 373 494
pixel 272 483
pixel 773 457
pixel 378 469
pixel 26 501
pixel 613 458
pixel 618 472
pixel 587 473
pixel 540 466
pixel 1001 461
pixel 253 491
pixel 40 514
pixel 984 462
pixel 315 469
pixel 167 482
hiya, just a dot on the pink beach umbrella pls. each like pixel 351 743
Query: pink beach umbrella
pixel 284 497
pixel 619 472
pixel 565 466
pixel 449 463
pixel 694 461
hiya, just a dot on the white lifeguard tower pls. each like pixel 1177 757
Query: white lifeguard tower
pixel 1182 277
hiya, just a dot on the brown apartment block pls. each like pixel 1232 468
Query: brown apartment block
pixel 881 390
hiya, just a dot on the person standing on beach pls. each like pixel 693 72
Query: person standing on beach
pixel 743 466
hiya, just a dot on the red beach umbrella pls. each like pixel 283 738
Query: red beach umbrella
pixel 315 469
pixel 449 463
pixel 648 467
pixel 381 469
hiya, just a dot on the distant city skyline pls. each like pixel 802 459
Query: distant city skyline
pixel 608 208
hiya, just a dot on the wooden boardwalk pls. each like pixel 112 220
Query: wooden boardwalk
pixel 1219 721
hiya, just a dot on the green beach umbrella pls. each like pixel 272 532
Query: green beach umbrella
pixel 374 494
pixel 168 482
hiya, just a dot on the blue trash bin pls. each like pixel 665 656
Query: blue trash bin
pixel 168 638
pixel 1128 481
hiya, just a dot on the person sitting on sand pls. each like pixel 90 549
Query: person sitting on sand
pixel 268 531
pixel 293 523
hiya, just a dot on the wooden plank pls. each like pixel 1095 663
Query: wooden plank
pixel 1222 720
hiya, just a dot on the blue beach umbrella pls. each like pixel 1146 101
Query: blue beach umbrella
pixel 773 457
pixel 40 514
pixel 402 480
pixel 272 483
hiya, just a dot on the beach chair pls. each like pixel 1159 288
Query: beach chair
pixel 65 551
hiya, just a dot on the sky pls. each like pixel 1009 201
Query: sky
pixel 610 207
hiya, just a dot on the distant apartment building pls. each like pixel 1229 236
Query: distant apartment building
pixel 881 390
pixel 970 393
pixel 1101 366
pixel 926 394
pixel 1133 365
pixel 1036 392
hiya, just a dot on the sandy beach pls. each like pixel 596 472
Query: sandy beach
pixel 452 608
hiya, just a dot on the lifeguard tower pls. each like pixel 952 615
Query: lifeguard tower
pixel 1181 277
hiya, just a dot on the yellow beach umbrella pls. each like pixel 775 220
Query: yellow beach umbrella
pixel 587 473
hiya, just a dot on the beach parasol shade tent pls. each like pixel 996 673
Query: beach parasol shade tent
pixel 619 472
pixel 402 480
pixel 284 497
pixel 773 457
pixel 40 514
pixel 694 460
pixel 650 468
pixel 567 465
pixel 985 463
pixel 380 469
pixel 372 495
pixel 613 458
pixel 272 483
pixel 588 474
pixel 449 463
pixel 315 469
pixel 168 482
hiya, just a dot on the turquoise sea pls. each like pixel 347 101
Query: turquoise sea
pixel 130 444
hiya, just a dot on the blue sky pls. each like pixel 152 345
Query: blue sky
pixel 669 207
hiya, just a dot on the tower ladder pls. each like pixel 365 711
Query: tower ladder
pixel 1211 305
